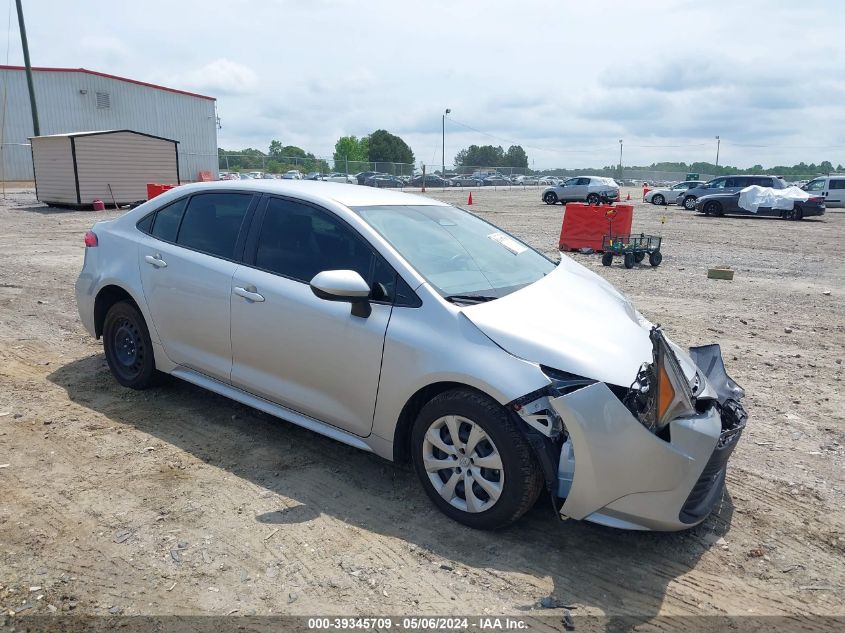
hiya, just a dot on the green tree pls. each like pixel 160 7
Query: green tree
pixel 516 157
pixel 388 148
pixel 352 149
pixel 481 156
pixel 275 148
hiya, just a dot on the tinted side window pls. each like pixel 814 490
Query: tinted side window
pixel 837 183
pixel 717 184
pixel 212 222
pixel 166 222
pixel 145 224
pixel 299 241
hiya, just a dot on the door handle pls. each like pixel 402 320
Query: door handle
pixel 248 293
pixel 155 260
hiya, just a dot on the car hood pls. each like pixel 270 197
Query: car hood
pixel 572 320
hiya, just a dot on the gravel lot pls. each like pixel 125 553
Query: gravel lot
pixel 179 501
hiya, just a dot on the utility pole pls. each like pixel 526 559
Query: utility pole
pixel 718 143
pixel 443 156
pixel 35 128
pixel 620 158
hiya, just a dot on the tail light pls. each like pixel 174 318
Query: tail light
pixel 90 239
pixel 816 199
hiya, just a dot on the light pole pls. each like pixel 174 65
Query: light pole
pixel 620 158
pixel 718 143
pixel 35 127
pixel 443 149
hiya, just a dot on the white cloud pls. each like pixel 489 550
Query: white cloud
pixel 222 77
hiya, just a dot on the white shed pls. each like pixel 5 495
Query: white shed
pixel 76 169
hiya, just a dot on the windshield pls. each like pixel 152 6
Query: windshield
pixel 458 253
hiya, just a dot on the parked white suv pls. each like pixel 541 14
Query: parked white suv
pixel 591 189
pixel 407 327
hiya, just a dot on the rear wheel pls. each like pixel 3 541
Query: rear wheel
pixel 473 462
pixel 607 259
pixel 593 198
pixel 629 260
pixel 792 214
pixel 638 257
pixel 655 258
pixel 550 197
pixel 658 199
pixel 128 348
pixel 689 203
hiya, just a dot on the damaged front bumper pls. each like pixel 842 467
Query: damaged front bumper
pixel 616 471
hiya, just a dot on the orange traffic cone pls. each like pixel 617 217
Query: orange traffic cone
pixel 629 196
pixel 469 200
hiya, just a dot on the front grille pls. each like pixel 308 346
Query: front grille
pixel 708 488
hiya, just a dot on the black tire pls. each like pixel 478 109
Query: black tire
pixel 629 260
pixel 638 257
pixel 128 348
pixel 689 203
pixel 523 479
pixel 658 200
pixel 794 214
pixel 712 208
pixel 550 197
pixel 655 258
pixel 593 198
pixel 607 259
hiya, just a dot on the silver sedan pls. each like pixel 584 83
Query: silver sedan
pixel 669 195
pixel 404 326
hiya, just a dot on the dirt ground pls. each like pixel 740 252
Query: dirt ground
pixel 177 501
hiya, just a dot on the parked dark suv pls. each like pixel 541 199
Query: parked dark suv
pixel 726 184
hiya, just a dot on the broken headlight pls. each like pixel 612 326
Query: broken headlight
pixel 660 392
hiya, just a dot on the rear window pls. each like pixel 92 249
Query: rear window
pixel 167 219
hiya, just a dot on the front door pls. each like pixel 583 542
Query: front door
pixel 290 347
pixel 187 264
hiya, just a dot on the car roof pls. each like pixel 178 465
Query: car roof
pixel 315 190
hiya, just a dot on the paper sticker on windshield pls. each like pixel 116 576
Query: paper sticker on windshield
pixel 508 242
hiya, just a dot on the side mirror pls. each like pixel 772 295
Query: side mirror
pixel 343 285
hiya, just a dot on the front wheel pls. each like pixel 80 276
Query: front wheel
pixel 629 260
pixel 655 258
pixel 607 259
pixel 593 198
pixel 550 198
pixel 712 208
pixel 128 348
pixel 689 203
pixel 472 460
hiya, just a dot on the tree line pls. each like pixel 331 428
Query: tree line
pixel 490 156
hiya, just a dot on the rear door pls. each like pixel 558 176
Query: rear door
pixel 289 346
pixel 187 262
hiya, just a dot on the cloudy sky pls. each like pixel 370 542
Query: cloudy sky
pixel 566 80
